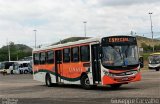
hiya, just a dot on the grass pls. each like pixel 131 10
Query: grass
pixel 145 58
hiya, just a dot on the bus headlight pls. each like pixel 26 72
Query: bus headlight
pixel 108 74
pixel 105 72
pixel 112 75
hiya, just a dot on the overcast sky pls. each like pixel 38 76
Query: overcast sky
pixel 59 19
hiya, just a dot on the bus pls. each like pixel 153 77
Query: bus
pixel 112 60
pixel 21 67
pixel 4 67
pixel 154 61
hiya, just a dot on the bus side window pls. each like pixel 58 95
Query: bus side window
pixel 36 58
pixel 42 58
pixel 50 57
pixel 75 54
pixel 66 55
pixel 85 53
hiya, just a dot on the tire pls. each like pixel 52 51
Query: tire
pixel 48 80
pixel 26 71
pixel 12 72
pixel 115 86
pixel 85 82
pixel 157 69
pixel 20 71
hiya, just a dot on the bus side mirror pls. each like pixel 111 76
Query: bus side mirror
pixel 141 62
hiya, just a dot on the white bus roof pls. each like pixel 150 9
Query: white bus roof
pixel 69 44
pixel 157 53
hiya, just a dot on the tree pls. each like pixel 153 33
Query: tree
pixel 17 51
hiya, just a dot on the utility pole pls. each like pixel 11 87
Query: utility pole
pixel 85 22
pixel 131 33
pixel 9 56
pixel 150 13
pixel 35 37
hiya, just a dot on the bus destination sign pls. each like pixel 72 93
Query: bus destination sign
pixel 112 40
pixel 119 40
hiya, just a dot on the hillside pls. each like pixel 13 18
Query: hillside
pixel 17 51
pixel 147 41
pixel 71 39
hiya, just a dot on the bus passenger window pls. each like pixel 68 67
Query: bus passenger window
pixel 42 58
pixel 36 58
pixel 85 53
pixel 75 54
pixel 66 55
pixel 50 57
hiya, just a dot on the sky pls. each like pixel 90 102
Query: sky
pixel 55 20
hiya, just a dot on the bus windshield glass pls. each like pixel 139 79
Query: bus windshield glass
pixel 2 65
pixel 120 55
pixel 154 59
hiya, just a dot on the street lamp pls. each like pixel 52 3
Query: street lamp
pixel 9 53
pixel 85 27
pixel 150 13
pixel 35 37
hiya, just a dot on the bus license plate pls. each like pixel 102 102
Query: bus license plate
pixel 125 79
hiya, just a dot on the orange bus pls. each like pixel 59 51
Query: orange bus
pixel 112 60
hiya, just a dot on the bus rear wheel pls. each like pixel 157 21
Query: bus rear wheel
pixel 115 86
pixel 157 69
pixel 85 82
pixel 25 72
pixel 48 80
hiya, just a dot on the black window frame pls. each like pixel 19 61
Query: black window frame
pixel 84 55
pixel 36 62
pixel 44 61
pixel 72 56
pixel 68 56
pixel 48 59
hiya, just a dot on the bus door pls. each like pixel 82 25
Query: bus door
pixel 58 65
pixel 96 69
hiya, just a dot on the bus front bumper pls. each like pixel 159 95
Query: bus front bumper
pixel 107 80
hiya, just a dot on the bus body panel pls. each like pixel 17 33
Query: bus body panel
pixel 107 80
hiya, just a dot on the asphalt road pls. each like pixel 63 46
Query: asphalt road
pixel 24 90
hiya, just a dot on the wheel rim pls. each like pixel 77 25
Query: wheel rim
pixel 87 81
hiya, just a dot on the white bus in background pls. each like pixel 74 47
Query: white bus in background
pixel 154 61
pixel 20 67
pixel 5 67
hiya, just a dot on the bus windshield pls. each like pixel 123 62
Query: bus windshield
pixel 154 59
pixel 6 65
pixel 116 55
pixel 2 65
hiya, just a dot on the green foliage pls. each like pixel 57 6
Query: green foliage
pixel 157 47
pixel 17 51
pixel 145 47
pixel 148 48
pixel 145 56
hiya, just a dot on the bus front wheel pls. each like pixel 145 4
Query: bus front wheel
pixel 48 80
pixel 85 82
pixel 157 69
